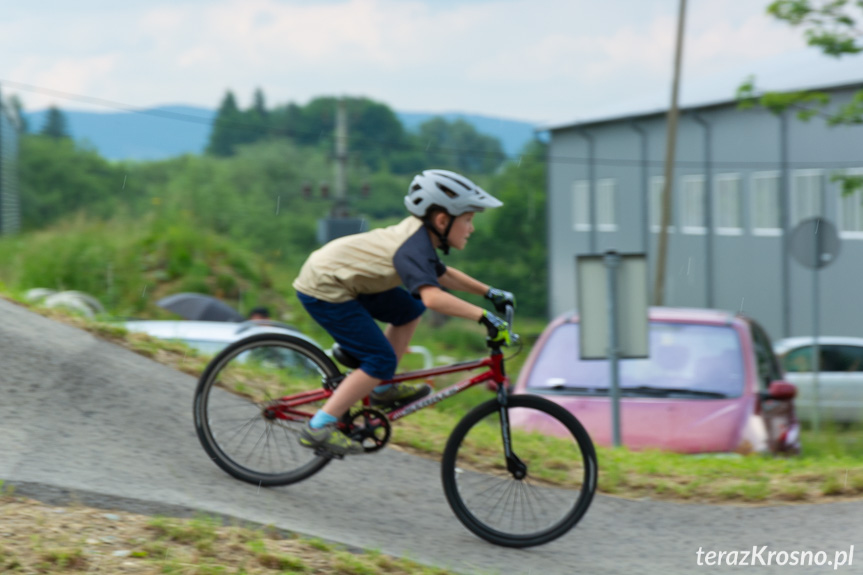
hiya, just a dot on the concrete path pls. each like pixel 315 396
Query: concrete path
pixel 82 417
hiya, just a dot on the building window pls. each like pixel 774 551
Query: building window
pixel 657 185
pixel 805 195
pixel 850 214
pixel 765 204
pixel 693 205
pixel 729 204
pixel 606 218
pixel 581 205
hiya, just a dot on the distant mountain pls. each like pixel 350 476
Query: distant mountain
pixel 513 134
pixel 168 131
pixel 152 134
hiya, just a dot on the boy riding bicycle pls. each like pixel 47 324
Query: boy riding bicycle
pixel 352 281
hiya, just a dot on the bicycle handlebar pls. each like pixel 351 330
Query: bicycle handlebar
pixel 509 316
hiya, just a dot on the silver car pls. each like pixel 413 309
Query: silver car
pixel 209 337
pixel 840 379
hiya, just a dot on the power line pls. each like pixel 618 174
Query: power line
pixel 239 124
pixel 387 145
pixel 108 103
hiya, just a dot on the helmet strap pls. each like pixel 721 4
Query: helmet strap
pixel 445 237
pixel 442 237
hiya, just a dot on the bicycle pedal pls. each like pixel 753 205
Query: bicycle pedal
pixel 386 408
pixel 320 452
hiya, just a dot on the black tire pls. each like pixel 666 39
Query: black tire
pixel 230 402
pixel 496 506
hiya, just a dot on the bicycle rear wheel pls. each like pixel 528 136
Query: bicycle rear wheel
pixel 239 413
pixel 559 472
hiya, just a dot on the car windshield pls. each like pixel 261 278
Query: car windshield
pixel 688 359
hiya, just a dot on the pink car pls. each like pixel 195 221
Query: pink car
pixel 711 384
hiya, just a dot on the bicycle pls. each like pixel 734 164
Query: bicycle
pixel 517 470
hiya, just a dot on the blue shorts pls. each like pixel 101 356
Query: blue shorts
pixel 352 325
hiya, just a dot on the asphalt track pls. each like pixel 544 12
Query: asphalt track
pixel 81 418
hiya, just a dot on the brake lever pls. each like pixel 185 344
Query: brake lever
pixel 513 337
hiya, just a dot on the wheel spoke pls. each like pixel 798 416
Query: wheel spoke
pixel 233 406
pixel 532 510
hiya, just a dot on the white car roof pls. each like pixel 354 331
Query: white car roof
pixel 784 345
pixel 210 331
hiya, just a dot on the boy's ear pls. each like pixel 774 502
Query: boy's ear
pixel 439 220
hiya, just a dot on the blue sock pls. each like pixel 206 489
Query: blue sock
pixel 382 388
pixel 321 418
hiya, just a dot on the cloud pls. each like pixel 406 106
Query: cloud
pixel 518 58
pixel 66 76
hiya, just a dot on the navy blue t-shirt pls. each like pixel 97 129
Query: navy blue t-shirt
pixel 417 262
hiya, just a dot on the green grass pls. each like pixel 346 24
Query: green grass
pixel 129 265
pixel 154 258
pixel 755 478
pixel 830 466
pixel 204 545
pixel 6 490
pixel 199 532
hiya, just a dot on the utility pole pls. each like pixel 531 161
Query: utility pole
pixel 340 207
pixel 671 141
pixel 339 223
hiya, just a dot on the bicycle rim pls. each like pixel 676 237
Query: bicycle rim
pixel 560 479
pixel 231 402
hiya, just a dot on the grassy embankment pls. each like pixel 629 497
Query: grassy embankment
pixel 79 539
pixel 129 271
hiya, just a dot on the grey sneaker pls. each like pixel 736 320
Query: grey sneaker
pixel 329 439
pixel 400 394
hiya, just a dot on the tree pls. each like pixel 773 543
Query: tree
pixel 259 108
pixel 287 121
pixel 15 102
pixel 375 133
pixel 257 118
pixel 509 247
pixel 227 127
pixel 55 124
pixel 59 178
pixel 831 26
pixel 459 146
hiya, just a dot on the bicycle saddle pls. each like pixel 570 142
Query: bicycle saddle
pixel 344 358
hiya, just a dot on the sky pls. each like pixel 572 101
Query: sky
pixel 542 61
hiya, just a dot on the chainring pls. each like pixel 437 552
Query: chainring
pixel 368 426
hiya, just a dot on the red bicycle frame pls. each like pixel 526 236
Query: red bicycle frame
pixel 286 407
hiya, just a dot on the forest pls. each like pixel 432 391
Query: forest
pixel 238 220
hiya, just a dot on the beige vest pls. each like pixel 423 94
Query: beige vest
pixel 355 264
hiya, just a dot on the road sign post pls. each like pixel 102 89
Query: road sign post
pixel 815 244
pixel 612 327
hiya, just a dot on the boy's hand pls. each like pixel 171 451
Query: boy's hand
pixel 500 299
pixel 498 329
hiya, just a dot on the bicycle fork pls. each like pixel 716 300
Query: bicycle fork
pixel 513 464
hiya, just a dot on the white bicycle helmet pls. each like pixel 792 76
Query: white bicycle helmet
pixel 452 192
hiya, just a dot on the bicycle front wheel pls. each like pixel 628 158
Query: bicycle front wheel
pixel 536 495
pixel 240 413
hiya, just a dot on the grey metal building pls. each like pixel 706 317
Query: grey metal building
pixel 743 180
pixel 10 209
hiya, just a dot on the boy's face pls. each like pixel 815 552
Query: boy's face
pixel 461 230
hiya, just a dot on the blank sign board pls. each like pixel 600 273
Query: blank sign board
pixel 630 306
